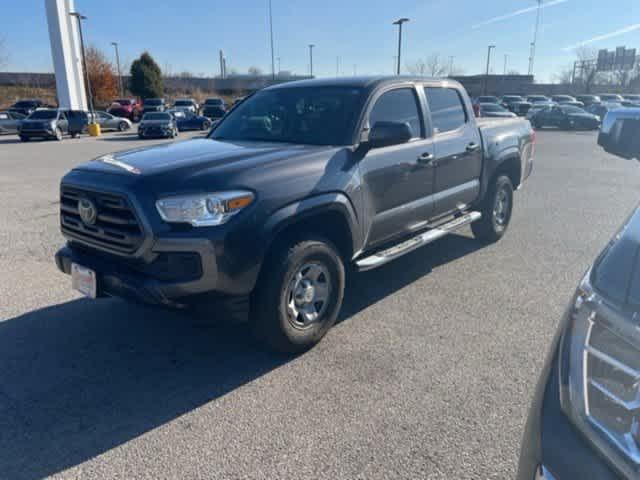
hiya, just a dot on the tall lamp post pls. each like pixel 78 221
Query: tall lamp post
pixel 311 45
pixel 115 45
pixel 399 22
pixel 273 64
pixel 486 78
pixel 534 44
pixel 84 61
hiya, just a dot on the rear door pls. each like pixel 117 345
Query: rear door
pixel 458 152
pixel 398 179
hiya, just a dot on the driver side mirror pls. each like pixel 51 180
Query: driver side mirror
pixel 620 133
pixel 385 134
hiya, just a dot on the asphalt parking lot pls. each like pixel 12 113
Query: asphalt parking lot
pixel 428 374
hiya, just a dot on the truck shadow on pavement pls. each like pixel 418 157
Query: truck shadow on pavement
pixel 80 378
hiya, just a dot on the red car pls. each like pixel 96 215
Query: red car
pixel 126 107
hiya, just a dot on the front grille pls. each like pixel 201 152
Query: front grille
pixel 612 390
pixel 116 228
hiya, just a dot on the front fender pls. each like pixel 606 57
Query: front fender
pixel 308 207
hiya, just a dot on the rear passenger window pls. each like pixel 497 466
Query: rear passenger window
pixel 447 110
pixel 397 106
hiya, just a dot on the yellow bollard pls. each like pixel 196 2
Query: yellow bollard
pixel 94 129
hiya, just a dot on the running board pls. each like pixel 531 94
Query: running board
pixel 385 256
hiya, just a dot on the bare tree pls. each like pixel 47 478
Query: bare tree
pixel 564 76
pixel 255 71
pixel 587 68
pixel 432 66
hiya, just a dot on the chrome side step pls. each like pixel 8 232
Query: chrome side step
pixel 385 256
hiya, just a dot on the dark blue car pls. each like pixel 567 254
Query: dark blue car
pixel 187 120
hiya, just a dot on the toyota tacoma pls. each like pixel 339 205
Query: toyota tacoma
pixel 297 186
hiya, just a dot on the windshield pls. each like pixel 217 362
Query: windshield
pixel 24 104
pixel 487 100
pixel 490 107
pixel 153 102
pixel 43 115
pixel 183 102
pixel 512 99
pixel 570 109
pixel 122 101
pixel 156 116
pixel 308 115
pixel 213 101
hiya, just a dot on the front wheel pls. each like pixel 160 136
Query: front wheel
pixel 122 126
pixel 299 295
pixel 58 134
pixel 496 211
pixel 206 125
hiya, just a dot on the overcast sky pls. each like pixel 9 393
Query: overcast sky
pixel 187 34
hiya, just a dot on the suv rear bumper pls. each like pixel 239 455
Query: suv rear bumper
pixel 124 279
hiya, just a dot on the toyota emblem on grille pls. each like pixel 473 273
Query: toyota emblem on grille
pixel 87 210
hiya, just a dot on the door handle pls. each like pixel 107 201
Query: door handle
pixel 472 147
pixel 426 158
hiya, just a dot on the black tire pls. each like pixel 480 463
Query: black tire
pixel 206 125
pixel 122 126
pixel 495 219
pixel 75 135
pixel 273 319
pixel 59 134
pixel 24 138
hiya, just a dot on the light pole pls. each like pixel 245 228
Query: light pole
pixel 535 38
pixel 115 45
pixel 279 67
pixel 84 62
pixel 311 45
pixel 451 58
pixel 399 22
pixel 486 78
pixel 506 58
pixel 273 65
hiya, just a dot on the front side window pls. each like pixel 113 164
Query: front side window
pixel 400 106
pixel 447 111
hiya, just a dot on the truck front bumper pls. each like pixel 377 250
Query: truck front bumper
pixel 180 269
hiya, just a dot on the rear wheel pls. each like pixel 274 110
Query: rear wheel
pixel 496 211
pixel 299 295
pixel 122 126
pixel 206 125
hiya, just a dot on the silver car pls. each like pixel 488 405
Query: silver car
pixel 111 122
pixel 10 122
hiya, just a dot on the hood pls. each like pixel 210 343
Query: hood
pixel 196 155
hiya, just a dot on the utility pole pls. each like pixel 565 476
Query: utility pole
pixel 337 66
pixel 506 58
pixel 273 65
pixel 535 38
pixel 399 22
pixel 486 78
pixel 84 62
pixel 451 58
pixel 115 44
pixel 279 66
pixel 311 45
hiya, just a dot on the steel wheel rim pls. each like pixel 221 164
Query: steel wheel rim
pixel 501 207
pixel 307 295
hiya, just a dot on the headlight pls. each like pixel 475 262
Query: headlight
pixel 600 378
pixel 203 210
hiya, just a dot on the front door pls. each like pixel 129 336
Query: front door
pixel 398 179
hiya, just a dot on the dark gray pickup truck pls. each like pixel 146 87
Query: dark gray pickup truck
pixel 295 187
